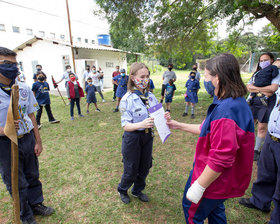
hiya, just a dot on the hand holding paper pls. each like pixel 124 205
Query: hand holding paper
pixel 157 112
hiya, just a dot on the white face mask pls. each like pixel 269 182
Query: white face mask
pixel 68 69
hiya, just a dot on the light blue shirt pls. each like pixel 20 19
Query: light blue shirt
pixel 274 119
pixel 133 110
pixel 65 76
pixel 27 105
pixel 86 74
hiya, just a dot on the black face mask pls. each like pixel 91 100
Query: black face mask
pixel 192 77
pixel 169 69
pixel 39 69
pixel 41 78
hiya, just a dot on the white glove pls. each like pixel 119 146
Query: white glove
pixel 195 192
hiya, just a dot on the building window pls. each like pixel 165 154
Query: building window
pixel 52 35
pixel 86 41
pixel 2 27
pixel 15 29
pixel 79 39
pixel 109 65
pixel 93 41
pixel 62 36
pixel 29 32
pixel 41 33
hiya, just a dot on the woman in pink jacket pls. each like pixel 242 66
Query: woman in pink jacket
pixel 225 148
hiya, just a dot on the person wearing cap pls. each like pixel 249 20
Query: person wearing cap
pixel 267 186
pixel 29 142
pixel 121 81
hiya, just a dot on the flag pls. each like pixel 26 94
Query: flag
pixel 9 129
pixel 54 83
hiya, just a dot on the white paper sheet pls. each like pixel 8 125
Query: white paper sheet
pixel 157 112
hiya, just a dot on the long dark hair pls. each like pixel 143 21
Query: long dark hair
pixel 269 55
pixel 226 67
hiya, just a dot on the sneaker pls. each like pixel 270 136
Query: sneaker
pixel 39 126
pixel 80 115
pixel 116 110
pixel 185 114
pixel 54 121
pixel 29 221
pixel 41 209
pixel 97 110
pixel 247 203
pixel 87 112
pixel 256 155
pixel 192 116
pixel 167 111
pixel 114 100
pixel 125 198
pixel 103 100
pixel 141 197
pixel 263 100
pixel 72 118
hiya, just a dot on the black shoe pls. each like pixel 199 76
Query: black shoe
pixel 192 116
pixel 29 221
pixel 185 114
pixel 141 197
pixel 125 198
pixel 247 203
pixel 256 155
pixel 41 209
pixel 116 110
pixel 167 111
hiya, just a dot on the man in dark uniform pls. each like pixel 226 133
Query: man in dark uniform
pixel 29 142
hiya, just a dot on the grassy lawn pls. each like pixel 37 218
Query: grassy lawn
pixel 81 167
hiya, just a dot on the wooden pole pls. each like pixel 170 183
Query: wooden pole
pixel 70 34
pixel 14 160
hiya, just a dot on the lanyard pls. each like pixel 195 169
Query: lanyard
pixel 145 99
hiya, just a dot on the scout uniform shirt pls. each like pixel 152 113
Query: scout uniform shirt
pixel 133 110
pixel 27 104
pixel 274 119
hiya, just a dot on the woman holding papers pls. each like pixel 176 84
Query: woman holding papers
pixel 137 140
pixel 225 148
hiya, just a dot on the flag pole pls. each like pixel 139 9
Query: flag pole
pixel 56 87
pixel 70 34
pixel 14 158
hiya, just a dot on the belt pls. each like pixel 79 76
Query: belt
pixel 122 85
pixel 191 90
pixel 6 138
pixel 260 94
pixel 143 131
pixel 274 138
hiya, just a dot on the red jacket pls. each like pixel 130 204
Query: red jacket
pixel 72 91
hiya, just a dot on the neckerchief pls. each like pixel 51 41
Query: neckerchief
pixel 7 88
pixel 145 99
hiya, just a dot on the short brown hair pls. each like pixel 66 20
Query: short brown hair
pixel 226 67
pixel 134 68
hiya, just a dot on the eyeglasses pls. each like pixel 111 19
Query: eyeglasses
pixel 8 62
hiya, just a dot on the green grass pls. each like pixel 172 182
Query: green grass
pixel 81 167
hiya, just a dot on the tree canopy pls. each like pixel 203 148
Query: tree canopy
pixel 181 29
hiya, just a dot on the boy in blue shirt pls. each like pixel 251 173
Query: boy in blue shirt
pixel 41 91
pixel 90 91
pixel 169 93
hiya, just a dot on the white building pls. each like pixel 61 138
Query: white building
pixel 22 22
pixel 54 56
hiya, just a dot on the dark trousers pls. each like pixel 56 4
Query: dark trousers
pixel 267 186
pixel 137 149
pixel 40 111
pixel 213 209
pixel 30 187
pixel 72 104
pixel 115 90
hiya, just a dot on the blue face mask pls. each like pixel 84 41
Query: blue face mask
pixel 93 71
pixel 10 71
pixel 90 83
pixel 123 74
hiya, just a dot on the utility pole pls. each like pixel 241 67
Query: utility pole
pixel 70 34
